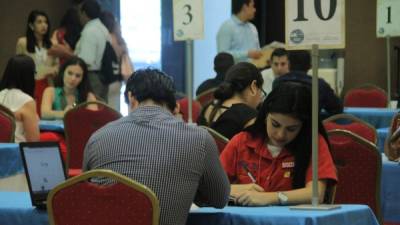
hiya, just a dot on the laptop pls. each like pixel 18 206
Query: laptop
pixel 44 169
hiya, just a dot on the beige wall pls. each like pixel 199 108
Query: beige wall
pixel 13 17
pixel 365 54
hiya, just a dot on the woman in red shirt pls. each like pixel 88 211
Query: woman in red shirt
pixel 270 162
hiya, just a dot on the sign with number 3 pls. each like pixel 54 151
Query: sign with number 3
pixel 311 22
pixel 188 19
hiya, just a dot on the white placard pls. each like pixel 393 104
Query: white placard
pixel 388 18
pixel 320 22
pixel 188 20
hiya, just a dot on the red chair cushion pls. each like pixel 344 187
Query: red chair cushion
pixel 357 128
pixel 184 109
pixel 87 203
pixel 365 98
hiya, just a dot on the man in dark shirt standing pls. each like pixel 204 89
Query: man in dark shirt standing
pixel 222 62
pixel 300 63
pixel 179 162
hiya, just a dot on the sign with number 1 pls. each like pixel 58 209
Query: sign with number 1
pixel 311 22
pixel 388 23
pixel 188 20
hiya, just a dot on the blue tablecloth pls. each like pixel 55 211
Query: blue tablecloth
pixel 10 160
pixel 51 125
pixel 382 134
pixel 16 209
pixel 281 215
pixel 377 117
pixel 390 190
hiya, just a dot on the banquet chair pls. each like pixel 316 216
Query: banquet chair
pixel 359 164
pixel 206 96
pixel 367 95
pixel 351 123
pixel 119 200
pixel 7 124
pixel 184 109
pixel 80 123
pixel 219 139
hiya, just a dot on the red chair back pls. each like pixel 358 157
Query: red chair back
pixel 79 124
pixel 353 124
pixel 184 109
pixel 124 201
pixel 359 166
pixel 366 96
pixel 7 124
pixel 206 97
pixel 219 139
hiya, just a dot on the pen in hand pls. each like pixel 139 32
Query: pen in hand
pixel 253 180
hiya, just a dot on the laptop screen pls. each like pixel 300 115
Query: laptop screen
pixel 43 167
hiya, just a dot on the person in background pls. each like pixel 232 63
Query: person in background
pixel 279 66
pixel 121 51
pixel 236 101
pixel 222 62
pixel 300 63
pixel 72 87
pixel 35 44
pixel 270 162
pixel 92 43
pixel 16 93
pixel 66 36
pixel 237 36
pixel 179 162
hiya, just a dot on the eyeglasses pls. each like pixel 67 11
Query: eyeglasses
pixel 263 93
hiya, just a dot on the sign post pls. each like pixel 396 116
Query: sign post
pixel 188 26
pixel 314 24
pixel 387 26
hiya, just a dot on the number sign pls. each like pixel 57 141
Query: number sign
pixel 311 22
pixel 388 15
pixel 188 19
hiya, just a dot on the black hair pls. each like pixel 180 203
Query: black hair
pixel 300 60
pixel 70 21
pixel 19 74
pixel 91 8
pixel 84 86
pixel 294 99
pixel 279 52
pixel 238 4
pixel 108 19
pixel 222 62
pixel 30 36
pixel 151 84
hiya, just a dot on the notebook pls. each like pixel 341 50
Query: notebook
pixel 44 169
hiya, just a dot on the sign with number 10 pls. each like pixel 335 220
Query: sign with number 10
pixel 311 22
pixel 188 19
pixel 387 23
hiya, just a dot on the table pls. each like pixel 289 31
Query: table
pixel 282 215
pixel 51 125
pixel 10 160
pixel 16 209
pixel 390 193
pixel 377 117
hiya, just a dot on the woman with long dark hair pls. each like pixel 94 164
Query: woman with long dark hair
pixel 16 93
pixel 270 162
pixel 72 87
pixel 35 44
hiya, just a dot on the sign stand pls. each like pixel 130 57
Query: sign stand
pixel 315 112
pixel 389 70
pixel 189 76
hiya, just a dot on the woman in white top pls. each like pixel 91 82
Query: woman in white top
pixel 16 91
pixel 35 44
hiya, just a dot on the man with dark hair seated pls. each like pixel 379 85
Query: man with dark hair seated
pixel 179 162
pixel 300 63
pixel 222 62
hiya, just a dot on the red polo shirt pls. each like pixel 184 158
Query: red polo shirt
pixel 273 174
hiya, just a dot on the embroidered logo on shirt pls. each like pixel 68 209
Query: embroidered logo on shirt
pixel 287 164
pixel 286 174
